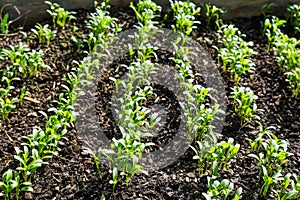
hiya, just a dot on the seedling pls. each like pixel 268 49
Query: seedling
pixel 145 12
pixel 6 106
pixel 10 182
pixel 220 190
pixel 29 162
pixel 60 16
pixel 272 29
pixel 244 103
pixel 265 8
pixel 43 33
pixel 293 16
pixel 184 14
pixel 213 13
pixel 293 77
pixel 102 27
pixel 236 54
pixel 4 23
pixel 27 62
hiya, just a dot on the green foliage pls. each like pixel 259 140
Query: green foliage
pixel 25 61
pixel 43 33
pixel 145 12
pixel 102 27
pixel 244 103
pixel 293 16
pixel 4 23
pixel 220 190
pixel 236 53
pixel 29 162
pixel 216 157
pixel 265 8
pixel 272 29
pixel 60 16
pixel 213 13
pixel 288 53
pixel 293 77
pixel 11 181
pixel 184 15
pixel 271 159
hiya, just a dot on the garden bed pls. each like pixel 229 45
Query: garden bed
pixel 72 174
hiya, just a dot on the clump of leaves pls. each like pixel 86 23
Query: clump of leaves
pixel 221 190
pixel 214 13
pixel 102 26
pixel 11 181
pixel 60 16
pixel 244 103
pixel 184 14
pixel 25 61
pixel 43 33
pixel 293 16
pixel 271 159
pixel 236 53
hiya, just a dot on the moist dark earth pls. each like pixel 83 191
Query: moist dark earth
pixel 73 175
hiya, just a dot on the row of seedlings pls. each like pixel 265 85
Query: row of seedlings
pixel 271 152
pixel 220 153
pixel 40 146
pixel 286 48
pixel 133 121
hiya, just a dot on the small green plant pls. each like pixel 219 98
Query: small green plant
pixel 293 16
pixel 4 23
pixel 29 162
pixel 216 157
pixel 25 61
pixel 265 8
pixel 236 53
pixel 60 16
pixel 43 33
pixel 293 77
pixel 289 188
pixel 6 106
pixel 244 103
pixel 220 190
pixel 145 12
pixel 271 160
pixel 213 13
pixel 272 29
pixel 257 143
pixel 102 27
pixel 10 182
pixel 184 14
pixel 288 53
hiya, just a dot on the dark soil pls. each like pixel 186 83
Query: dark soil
pixel 73 175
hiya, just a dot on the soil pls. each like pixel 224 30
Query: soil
pixel 73 175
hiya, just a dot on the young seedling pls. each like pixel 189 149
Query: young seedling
pixel 43 33
pixel 11 182
pixel 213 13
pixel 6 106
pixel 4 23
pixel 26 61
pixel 220 190
pixel 293 16
pixel 272 30
pixel 102 27
pixel 60 16
pixel 184 14
pixel 244 103
pixel 265 9
pixel 145 12
pixel 293 77
pixel 29 162
pixel 236 53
